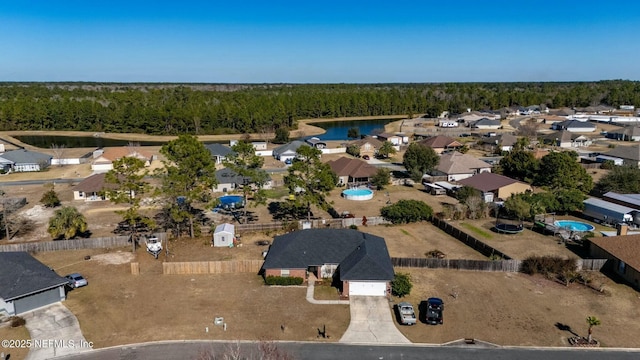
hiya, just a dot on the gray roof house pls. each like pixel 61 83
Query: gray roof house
pixel 219 152
pixel 457 166
pixel 228 180
pixel 574 126
pixel 486 123
pixel 360 261
pixel 27 284
pixel 566 139
pixel 288 151
pixel 630 155
pixel 24 160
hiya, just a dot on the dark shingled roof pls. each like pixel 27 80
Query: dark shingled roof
pixel 361 256
pixel 218 149
pixel 21 274
pixel 626 152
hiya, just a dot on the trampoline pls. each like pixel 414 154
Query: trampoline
pixel 509 228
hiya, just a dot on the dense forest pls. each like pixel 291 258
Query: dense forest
pixel 170 109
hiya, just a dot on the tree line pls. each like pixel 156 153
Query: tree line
pixel 199 109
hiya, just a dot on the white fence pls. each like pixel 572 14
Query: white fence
pixel 339 150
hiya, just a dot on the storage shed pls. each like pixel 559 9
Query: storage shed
pixel 224 235
pixel 607 212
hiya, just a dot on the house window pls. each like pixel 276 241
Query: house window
pixel 284 272
pixel 622 267
pixel 80 194
pixel 222 238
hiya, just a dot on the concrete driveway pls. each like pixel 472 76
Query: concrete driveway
pixel 55 331
pixel 372 322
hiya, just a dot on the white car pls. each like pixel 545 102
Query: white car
pixel 76 280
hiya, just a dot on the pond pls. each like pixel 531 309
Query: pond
pixel 336 130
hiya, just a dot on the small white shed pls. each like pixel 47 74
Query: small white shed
pixel 224 235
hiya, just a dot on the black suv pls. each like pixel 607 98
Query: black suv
pixel 434 311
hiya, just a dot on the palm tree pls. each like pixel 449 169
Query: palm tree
pixel 67 222
pixel 592 321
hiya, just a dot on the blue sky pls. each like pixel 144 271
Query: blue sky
pixel 318 41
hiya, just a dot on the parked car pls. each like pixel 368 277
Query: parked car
pixel 434 311
pixel 288 162
pixel 366 157
pixel 406 315
pixel 76 280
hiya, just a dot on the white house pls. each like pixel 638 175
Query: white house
pixel 288 151
pixel 224 235
pixel 574 126
pixel 486 123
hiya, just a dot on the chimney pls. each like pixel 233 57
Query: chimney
pixel 622 229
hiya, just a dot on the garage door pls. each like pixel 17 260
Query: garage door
pixel 368 288
pixel 36 300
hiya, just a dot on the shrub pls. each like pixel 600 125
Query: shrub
pixel 17 321
pixel 548 265
pixel 407 211
pixel 401 285
pixel 50 199
pixel 284 281
pixel 354 227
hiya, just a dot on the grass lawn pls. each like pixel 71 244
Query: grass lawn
pixel 18 333
pixel 478 231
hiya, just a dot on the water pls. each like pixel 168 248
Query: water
pixel 45 141
pixel 357 192
pixel 337 130
pixel 574 225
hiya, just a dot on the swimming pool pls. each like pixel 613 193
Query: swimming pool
pixel 357 194
pixel 231 201
pixel 574 225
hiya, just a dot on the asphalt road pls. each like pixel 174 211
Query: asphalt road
pixel 321 351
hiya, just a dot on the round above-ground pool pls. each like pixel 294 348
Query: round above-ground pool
pixel 357 194
pixel 231 201
pixel 574 225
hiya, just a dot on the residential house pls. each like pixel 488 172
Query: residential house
pixel 630 155
pixel 368 146
pixel 622 253
pixel 27 284
pixel 628 133
pixel 456 166
pixel 316 143
pixel 359 261
pixel 219 152
pixel 473 116
pixel 441 143
pixel 553 119
pixel 486 123
pixel 396 139
pixel 22 160
pixel 224 235
pixel 103 159
pixel 500 143
pixel 91 188
pixel 574 126
pixel 352 171
pixel 288 151
pixel 495 187
pixel 228 181
pixel 566 139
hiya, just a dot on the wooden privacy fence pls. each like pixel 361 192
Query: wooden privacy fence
pixel 591 264
pixel 469 240
pixel 75 244
pixel 459 264
pixel 211 267
pixel 484 265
